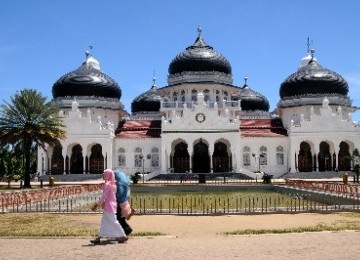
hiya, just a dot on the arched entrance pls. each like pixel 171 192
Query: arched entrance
pixel 201 158
pixel 221 160
pixel 181 158
pixel 305 159
pixel 324 157
pixel 57 160
pixel 76 160
pixel 344 157
pixel 96 160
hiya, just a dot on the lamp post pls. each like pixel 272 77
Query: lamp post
pixel 258 157
pixel 142 163
pixel 326 163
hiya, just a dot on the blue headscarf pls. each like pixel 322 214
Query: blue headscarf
pixel 122 186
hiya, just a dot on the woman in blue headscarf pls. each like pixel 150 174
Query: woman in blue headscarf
pixel 124 211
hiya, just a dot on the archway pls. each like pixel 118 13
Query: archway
pixel 344 157
pixel 77 160
pixel 324 157
pixel 221 160
pixel 57 160
pixel 305 159
pixel 181 158
pixel 201 158
pixel 96 160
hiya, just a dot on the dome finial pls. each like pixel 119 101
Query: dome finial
pixel 87 52
pixel 312 51
pixel 245 79
pixel 154 79
pixel 199 29
pixel 309 44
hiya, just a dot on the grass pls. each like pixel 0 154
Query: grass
pixel 352 223
pixel 40 225
pixel 211 200
pixel 51 225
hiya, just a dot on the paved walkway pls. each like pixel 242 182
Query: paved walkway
pixel 325 245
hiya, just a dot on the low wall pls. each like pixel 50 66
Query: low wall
pixel 352 190
pixel 33 196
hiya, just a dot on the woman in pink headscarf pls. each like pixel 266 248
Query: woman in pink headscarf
pixel 109 227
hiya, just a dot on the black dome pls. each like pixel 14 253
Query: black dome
pixel 87 80
pixel 251 100
pixel 313 79
pixel 147 102
pixel 199 57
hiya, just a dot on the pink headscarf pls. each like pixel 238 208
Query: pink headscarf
pixel 109 176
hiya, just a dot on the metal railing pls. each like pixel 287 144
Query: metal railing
pixel 199 205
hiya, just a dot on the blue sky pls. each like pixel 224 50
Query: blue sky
pixel 41 40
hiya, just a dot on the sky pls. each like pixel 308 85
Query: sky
pixel 264 40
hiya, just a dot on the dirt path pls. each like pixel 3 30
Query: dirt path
pixel 200 237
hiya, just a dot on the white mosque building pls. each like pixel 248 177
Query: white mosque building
pixel 202 123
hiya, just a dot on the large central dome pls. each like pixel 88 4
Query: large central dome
pixel 199 62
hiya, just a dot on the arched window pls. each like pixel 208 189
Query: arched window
pixel 194 95
pixel 138 157
pixel 155 158
pixel 121 157
pixel 280 155
pixel 246 156
pixel 263 155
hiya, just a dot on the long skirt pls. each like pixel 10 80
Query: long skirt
pixel 110 226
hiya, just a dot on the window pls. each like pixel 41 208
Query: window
pixel 121 157
pixel 155 158
pixel 246 156
pixel 138 157
pixel 263 155
pixel 280 155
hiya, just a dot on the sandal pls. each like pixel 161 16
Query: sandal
pixel 95 241
pixel 122 239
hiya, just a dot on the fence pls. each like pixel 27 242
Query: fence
pixel 281 203
pixel 200 204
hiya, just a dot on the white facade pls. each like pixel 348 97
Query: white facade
pixel 201 128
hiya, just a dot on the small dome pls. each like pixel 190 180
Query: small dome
pixel 87 80
pixel 148 101
pixel 197 63
pixel 311 78
pixel 251 100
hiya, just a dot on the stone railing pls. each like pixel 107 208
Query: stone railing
pixel 33 196
pixel 352 190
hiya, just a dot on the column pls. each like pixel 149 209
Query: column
pixel 190 150
pixel 211 152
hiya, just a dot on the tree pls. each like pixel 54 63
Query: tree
pixel 30 120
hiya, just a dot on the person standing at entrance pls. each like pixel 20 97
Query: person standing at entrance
pixel 109 226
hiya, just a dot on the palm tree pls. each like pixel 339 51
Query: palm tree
pixel 29 120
